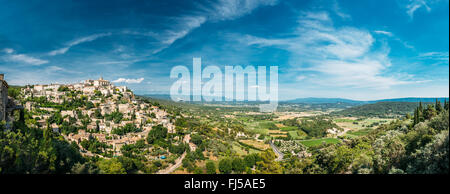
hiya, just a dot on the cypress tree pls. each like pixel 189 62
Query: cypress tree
pixel 438 106
pixel 416 116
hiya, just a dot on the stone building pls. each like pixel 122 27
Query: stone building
pixel 7 104
pixel 101 82
pixel 3 97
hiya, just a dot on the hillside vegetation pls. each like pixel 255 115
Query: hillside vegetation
pixel 380 109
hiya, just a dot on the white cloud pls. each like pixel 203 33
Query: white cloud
pixel 8 50
pixel 27 59
pixel 338 11
pixel 77 42
pixel 56 69
pixel 184 26
pixel 300 78
pixel 21 58
pixel 220 11
pixel 441 56
pixel 414 5
pixel 129 81
pixel 383 32
pixel 343 57
pixel 232 9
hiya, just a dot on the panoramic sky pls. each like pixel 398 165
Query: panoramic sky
pixel 357 49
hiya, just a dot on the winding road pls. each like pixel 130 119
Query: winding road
pixel 172 168
pixel 277 152
pixel 178 161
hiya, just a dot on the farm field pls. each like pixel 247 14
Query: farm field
pixel 256 144
pixel 359 132
pixel 258 127
pixel 355 124
pixel 242 151
pixel 288 128
pixel 316 142
pixel 297 134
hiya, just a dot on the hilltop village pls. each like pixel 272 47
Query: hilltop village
pixel 103 112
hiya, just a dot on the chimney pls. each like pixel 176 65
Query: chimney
pixel 2 76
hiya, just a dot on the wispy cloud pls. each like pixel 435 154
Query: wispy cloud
pixel 440 56
pixel 338 11
pixel 219 11
pixel 184 25
pixel 8 50
pixel 77 42
pixel 129 81
pixel 12 56
pixel 56 69
pixel 414 5
pixel 232 9
pixel 391 35
pixel 344 57
pixel 383 32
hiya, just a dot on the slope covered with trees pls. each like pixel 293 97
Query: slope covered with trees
pixel 402 146
pixel 380 109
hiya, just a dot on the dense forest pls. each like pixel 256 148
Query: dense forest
pixel 380 109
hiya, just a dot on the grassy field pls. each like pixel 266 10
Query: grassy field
pixel 343 120
pixel 288 128
pixel 257 144
pixel 255 127
pixel 358 124
pixel 315 142
pixel 359 132
pixel 240 150
pixel 297 134
pixel 261 127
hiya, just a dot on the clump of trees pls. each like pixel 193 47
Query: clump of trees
pixel 115 116
pixel 263 162
pixel 128 128
pixel 93 145
pixel 317 127
pixel 36 151
pixel 157 134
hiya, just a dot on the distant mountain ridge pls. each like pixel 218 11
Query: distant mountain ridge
pixel 413 99
pixel 344 100
pixel 314 100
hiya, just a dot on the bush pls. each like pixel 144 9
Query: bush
pixel 225 166
pixel 210 167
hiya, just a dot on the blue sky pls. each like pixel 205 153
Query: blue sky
pixel 354 49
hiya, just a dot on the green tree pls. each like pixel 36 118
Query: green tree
pixel 438 106
pixel 225 166
pixel 238 165
pixel 210 167
pixel 429 112
pixel 196 139
pixel 432 158
pixel 111 166
pixel 158 132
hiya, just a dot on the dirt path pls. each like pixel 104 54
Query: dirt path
pixel 343 132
